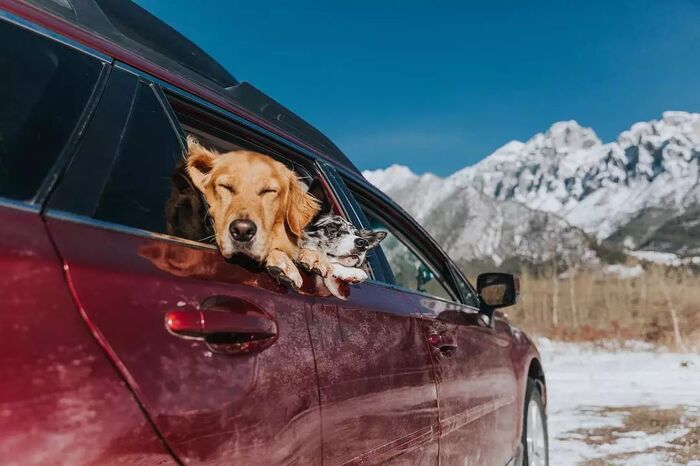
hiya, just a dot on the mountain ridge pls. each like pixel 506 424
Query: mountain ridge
pixel 621 190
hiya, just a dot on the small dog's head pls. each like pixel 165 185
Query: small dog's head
pixel 340 240
pixel 251 198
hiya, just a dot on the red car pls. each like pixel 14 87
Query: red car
pixel 125 340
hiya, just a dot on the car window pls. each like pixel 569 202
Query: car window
pixel 44 88
pixel 139 184
pixel 147 186
pixel 409 269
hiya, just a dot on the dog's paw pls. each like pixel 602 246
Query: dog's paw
pixel 337 288
pixel 314 261
pixel 349 274
pixel 282 268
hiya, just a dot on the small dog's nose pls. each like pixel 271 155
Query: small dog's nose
pixel 361 242
pixel 243 230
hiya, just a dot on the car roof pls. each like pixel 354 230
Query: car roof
pixel 134 29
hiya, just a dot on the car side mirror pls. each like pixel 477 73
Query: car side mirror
pixel 498 289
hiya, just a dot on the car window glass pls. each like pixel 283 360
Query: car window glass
pixel 467 292
pixel 139 184
pixel 44 87
pixel 410 271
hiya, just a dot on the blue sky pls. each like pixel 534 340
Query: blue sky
pixel 440 85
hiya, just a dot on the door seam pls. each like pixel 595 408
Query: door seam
pixel 309 315
pixel 424 325
pixel 104 345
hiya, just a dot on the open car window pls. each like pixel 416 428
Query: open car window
pixel 130 167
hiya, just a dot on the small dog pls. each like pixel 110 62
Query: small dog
pixel 344 246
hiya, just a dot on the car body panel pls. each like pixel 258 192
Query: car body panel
pixel 376 381
pixel 254 408
pixel 477 385
pixel 61 400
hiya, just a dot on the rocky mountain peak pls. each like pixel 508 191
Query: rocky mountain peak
pixel 569 136
pixel 648 176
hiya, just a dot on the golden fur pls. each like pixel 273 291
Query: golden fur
pixel 252 186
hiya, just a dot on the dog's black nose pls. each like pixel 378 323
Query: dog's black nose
pixel 243 230
pixel 361 242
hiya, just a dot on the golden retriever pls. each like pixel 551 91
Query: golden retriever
pixel 259 208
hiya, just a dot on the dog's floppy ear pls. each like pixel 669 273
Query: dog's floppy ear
pixel 200 161
pixel 373 237
pixel 317 191
pixel 301 206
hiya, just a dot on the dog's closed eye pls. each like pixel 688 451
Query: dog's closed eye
pixel 226 187
pixel 267 191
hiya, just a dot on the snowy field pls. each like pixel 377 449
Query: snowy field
pixel 626 406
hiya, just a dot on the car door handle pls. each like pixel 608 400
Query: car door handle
pixel 443 341
pixel 227 325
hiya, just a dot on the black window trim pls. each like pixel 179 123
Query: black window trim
pixel 53 177
pixel 457 275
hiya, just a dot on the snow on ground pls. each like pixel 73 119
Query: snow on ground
pixel 623 271
pixel 632 405
pixel 665 258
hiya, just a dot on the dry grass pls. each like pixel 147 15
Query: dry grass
pixel 650 421
pixel 590 305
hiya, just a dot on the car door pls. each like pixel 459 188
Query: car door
pixel 61 400
pixel 218 353
pixel 475 376
pixel 376 381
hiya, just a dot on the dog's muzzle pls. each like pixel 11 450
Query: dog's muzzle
pixel 243 230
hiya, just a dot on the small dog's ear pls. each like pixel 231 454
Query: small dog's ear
pixel 373 237
pixel 301 207
pixel 200 161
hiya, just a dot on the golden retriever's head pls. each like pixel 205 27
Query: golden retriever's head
pixel 252 199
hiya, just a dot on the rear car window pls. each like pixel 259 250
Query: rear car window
pixel 130 167
pixel 44 88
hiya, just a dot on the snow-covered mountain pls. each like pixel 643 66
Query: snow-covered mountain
pixel 636 190
pixel 472 226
